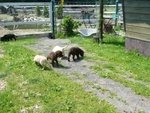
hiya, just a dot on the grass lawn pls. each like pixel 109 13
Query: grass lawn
pixel 33 90
pixel 114 62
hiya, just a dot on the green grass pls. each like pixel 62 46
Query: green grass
pixel 31 89
pixel 114 62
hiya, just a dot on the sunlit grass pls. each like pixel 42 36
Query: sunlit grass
pixel 31 89
pixel 113 61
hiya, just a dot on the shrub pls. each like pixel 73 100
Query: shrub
pixel 46 12
pixel 68 24
pixel 60 12
pixel 38 11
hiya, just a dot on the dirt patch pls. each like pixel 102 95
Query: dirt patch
pixel 2 84
pixel 123 98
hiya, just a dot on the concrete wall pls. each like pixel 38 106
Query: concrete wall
pixel 143 47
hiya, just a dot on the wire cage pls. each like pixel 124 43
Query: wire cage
pixel 83 12
pixel 87 12
pixel 24 18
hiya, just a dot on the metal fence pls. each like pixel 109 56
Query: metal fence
pixel 89 14
pixel 22 18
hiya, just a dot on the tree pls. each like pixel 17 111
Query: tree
pixel 46 12
pixel 68 25
pixel 38 11
pixel 60 12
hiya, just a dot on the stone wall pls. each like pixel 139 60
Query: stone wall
pixel 143 47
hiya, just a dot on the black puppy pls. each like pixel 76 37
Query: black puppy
pixel 51 36
pixel 8 37
pixel 75 51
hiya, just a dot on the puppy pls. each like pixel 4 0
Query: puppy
pixel 42 61
pixel 53 57
pixel 58 48
pixel 8 37
pixel 75 51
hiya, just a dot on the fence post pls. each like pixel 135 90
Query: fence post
pixel 101 19
pixel 52 16
pixel 123 10
pixel 116 14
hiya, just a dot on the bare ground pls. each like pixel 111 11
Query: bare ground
pixel 123 98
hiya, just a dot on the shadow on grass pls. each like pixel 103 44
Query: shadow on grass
pixel 115 43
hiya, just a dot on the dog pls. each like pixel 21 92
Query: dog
pixel 53 57
pixel 8 37
pixel 75 51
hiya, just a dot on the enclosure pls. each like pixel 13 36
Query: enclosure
pixel 108 79
pixel 36 18
pixel 25 18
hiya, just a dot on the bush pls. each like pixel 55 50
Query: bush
pixel 46 12
pixel 68 24
pixel 60 35
pixel 60 12
pixel 38 11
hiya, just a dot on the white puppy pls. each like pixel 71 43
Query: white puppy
pixel 42 61
pixel 58 48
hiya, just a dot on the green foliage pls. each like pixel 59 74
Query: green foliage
pixel 46 12
pixel 76 24
pixel 117 28
pixel 38 11
pixel 60 12
pixel 60 35
pixel 68 25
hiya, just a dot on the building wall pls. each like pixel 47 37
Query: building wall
pixel 143 47
pixel 137 17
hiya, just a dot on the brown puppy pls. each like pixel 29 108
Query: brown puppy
pixel 75 51
pixel 53 56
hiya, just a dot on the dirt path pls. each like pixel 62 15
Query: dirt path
pixel 121 97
